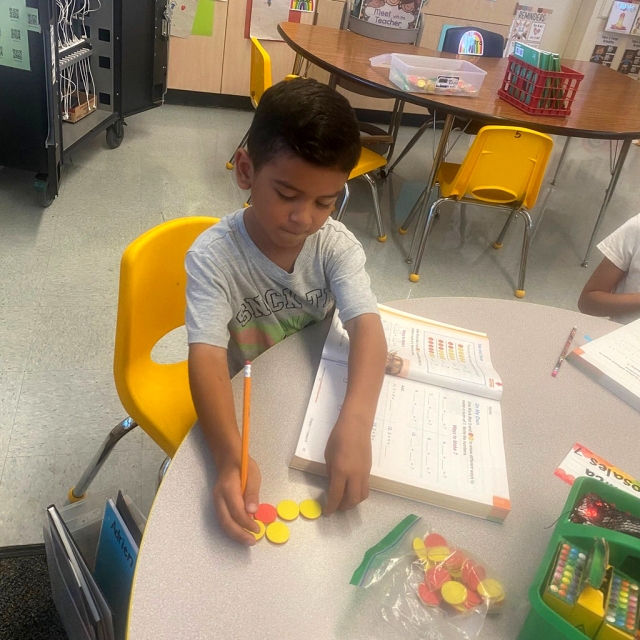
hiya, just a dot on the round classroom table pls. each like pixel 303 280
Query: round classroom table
pixel 192 582
pixel 596 112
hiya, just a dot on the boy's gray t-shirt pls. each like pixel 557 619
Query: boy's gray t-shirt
pixel 239 300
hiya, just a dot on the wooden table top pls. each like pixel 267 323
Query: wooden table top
pixel 607 104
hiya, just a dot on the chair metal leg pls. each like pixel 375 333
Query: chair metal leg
pixel 420 223
pixel 433 173
pixel 343 205
pixel 115 435
pixel 240 146
pixel 162 470
pixel 607 198
pixel 416 136
pixel 396 119
pixel 526 241
pixel 297 64
pixel 376 206
pixel 415 210
pixel 414 277
pixel 463 222
pixel 499 242
pixel 563 155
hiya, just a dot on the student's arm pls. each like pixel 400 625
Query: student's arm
pixel 348 451
pixel 213 400
pixel 597 297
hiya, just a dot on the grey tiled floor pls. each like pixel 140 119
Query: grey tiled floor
pixel 59 277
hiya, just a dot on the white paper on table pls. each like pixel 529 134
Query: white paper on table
pixel 580 462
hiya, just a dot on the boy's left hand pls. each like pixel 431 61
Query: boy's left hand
pixel 348 458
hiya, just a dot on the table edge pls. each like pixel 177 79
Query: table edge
pixel 426 103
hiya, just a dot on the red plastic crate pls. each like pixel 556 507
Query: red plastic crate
pixel 538 92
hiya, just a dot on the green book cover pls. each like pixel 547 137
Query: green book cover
pixel 527 54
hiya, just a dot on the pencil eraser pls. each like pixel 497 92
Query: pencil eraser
pixel 554 374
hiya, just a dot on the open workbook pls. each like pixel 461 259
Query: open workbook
pixel 614 361
pixel 437 435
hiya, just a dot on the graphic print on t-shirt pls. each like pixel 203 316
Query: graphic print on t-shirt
pixel 254 333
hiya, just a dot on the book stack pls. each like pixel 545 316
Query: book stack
pixel 93 604
pixel 552 94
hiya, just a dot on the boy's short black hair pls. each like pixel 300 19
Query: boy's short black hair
pixel 308 119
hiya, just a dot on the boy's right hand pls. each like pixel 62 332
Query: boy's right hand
pixel 234 510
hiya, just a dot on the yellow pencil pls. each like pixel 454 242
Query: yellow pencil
pixel 246 411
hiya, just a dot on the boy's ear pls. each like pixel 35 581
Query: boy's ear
pixel 244 169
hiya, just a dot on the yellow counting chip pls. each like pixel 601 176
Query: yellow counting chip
pixel 438 554
pixel 310 509
pixel 492 589
pixel 453 593
pixel 288 509
pixel 277 532
pixel 418 547
pixel 261 532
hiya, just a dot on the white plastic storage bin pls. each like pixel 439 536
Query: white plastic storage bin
pixel 443 76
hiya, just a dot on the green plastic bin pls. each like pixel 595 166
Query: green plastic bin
pixel 543 623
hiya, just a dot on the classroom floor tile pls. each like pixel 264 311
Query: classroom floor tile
pixel 73 338
pixel 63 412
pixel 59 266
pixel 31 483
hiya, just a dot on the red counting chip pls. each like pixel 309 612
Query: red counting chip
pixel 455 561
pixel 434 540
pixel 466 567
pixel 436 577
pixel 473 600
pixel 266 513
pixel 476 575
pixel 432 598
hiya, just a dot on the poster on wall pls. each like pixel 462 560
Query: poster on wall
pixel 307 6
pixel 527 27
pixel 398 14
pixel 630 63
pixel 14 35
pixel 265 16
pixel 635 30
pixel 605 49
pixel 622 17
pixel 183 13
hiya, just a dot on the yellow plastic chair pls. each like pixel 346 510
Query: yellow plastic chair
pixel 151 303
pixel 259 81
pixel 369 161
pixel 503 168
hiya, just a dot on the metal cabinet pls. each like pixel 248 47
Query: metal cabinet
pixel 116 49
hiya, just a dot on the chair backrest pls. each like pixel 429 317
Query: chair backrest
pixel 471 41
pixel 151 303
pixel 505 165
pixel 261 78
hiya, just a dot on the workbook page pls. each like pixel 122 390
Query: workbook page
pixel 428 351
pixel 424 436
pixel 617 355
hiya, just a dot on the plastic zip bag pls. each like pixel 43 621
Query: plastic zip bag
pixel 425 587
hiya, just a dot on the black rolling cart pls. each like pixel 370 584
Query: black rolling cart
pixel 71 69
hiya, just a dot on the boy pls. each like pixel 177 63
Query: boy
pixel 614 287
pixel 267 271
